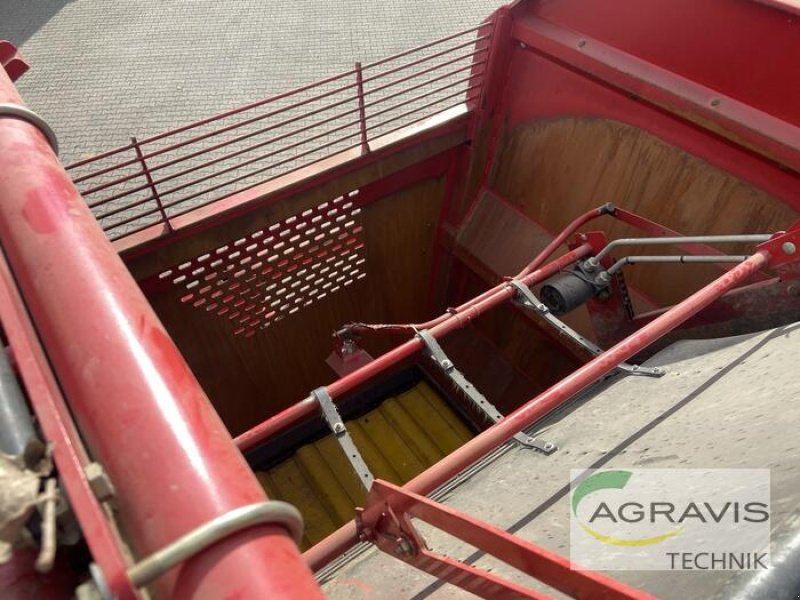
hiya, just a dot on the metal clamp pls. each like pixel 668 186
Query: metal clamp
pixel 273 512
pixel 527 299
pixel 339 429
pixel 17 111
pixel 437 355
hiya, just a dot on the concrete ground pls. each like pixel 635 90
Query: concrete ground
pixel 103 70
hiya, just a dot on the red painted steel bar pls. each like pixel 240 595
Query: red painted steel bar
pixel 525 416
pixel 534 264
pixel 422 47
pixel 562 237
pixel 550 568
pixel 141 411
pixel 219 145
pixel 58 428
pixel 234 154
pixel 205 121
pixel 457 319
pixel 436 67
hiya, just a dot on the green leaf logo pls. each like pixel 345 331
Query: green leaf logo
pixel 615 480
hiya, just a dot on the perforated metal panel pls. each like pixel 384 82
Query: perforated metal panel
pixel 257 280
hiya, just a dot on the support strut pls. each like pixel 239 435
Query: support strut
pixel 339 429
pixel 434 351
pixel 527 299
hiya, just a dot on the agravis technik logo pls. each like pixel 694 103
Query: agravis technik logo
pixel 671 519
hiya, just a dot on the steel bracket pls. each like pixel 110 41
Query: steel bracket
pixel 527 299
pixel 339 429
pixel 440 359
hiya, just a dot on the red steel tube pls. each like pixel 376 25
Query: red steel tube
pixel 468 312
pixel 536 408
pixel 534 264
pixel 420 48
pixel 562 237
pixel 141 411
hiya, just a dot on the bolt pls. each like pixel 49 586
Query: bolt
pixel 715 102
pixel 446 365
pixel 591 264
pixel 789 248
pixel 523 45
pixel 581 43
pixel 338 428
pixel 98 481
pixel 549 446
pixel 603 278
pixel 635 367
pixel 403 547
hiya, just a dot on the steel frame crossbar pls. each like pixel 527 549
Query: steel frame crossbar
pixel 385 521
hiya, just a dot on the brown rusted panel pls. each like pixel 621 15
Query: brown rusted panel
pixel 250 378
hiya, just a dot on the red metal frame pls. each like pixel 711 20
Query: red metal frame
pixel 12 61
pixel 373 101
pixel 525 416
pixel 69 453
pixel 582 53
pixel 456 319
pixel 142 412
pixel 385 522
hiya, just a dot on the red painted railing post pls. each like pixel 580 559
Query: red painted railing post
pixel 362 116
pixel 149 178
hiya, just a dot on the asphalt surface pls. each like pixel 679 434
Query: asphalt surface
pixel 103 70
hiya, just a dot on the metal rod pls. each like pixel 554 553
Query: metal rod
pixel 362 118
pixel 536 408
pixel 683 258
pixel 132 218
pixel 537 262
pixel 16 424
pixel 417 120
pixel 272 512
pixel 689 239
pixel 262 169
pixel 235 154
pixel 152 185
pixel 464 92
pixel 459 318
pixel 422 47
pixel 436 67
pixel 268 179
pixel 424 59
pixel 219 145
pixel 225 129
pixel 427 94
pixel 136 401
pixel 562 237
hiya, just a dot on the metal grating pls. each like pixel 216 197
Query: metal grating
pixel 276 271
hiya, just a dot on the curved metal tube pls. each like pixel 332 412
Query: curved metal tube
pixel 272 512
pixel 17 111
pixel 683 239
pixel 680 258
